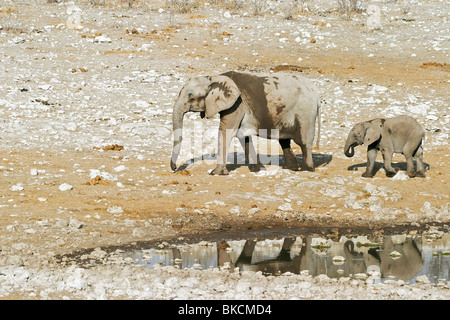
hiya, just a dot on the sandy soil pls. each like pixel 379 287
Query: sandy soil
pixel 68 94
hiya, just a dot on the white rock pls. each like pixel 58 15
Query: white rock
pixel 115 209
pixel 72 8
pixel 73 22
pixel 400 176
pixel 65 187
pixel 423 279
pixel 378 89
pixel 235 210
pixel 102 39
pixel 75 279
pixel 75 223
pixel 286 207
pixel 17 40
pixel 146 47
pixel 16 187
pixel 374 17
pixel 333 191
pixel 120 168
pixel 216 202
pixel 104 175
pixel 45 87
pixel 421 109
pixel 71 126
pixel 252 211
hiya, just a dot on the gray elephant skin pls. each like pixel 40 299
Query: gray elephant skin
pixel 277 106
pixel 401 134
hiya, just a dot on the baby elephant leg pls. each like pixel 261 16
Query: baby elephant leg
pixel 371 156
pixel 409 151
pixel 387 158
pixel 420 169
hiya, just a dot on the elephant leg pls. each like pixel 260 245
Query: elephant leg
pixel 224 140
pixel 250 154
pixel 371 156
pixel 420 170
pixel 408 151
pixel 308 163
pixel 410 166
pixel 290 162
pixel 387 158
pixel 229 125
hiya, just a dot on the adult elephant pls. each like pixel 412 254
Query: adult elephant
pixel 278 106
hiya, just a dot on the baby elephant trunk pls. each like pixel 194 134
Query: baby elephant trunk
pixel 349 148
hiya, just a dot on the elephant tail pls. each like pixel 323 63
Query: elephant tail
pixel 319 121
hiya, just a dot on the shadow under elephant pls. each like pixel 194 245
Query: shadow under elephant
pixel 237 160
pixel 401 166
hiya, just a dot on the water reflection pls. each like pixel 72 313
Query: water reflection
pixel 391 257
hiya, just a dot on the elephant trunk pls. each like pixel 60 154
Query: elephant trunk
pixel 177 121
pixel 349 148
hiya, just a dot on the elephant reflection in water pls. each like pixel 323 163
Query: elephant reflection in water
pixel 410 261
pixel 320 261
pixel 282 263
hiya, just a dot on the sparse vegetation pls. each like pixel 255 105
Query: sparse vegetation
pixel 258 6
pixel 347 7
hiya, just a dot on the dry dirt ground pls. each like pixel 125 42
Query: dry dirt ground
pixel 66 95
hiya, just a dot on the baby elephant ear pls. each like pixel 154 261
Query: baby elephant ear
pixel 222 95
pixel 373 133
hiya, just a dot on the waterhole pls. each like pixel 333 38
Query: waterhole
pixel 397 257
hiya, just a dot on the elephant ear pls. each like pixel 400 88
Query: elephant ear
pixel 222 95
pixel 373 133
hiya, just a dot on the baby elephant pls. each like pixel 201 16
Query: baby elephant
pixel 401 134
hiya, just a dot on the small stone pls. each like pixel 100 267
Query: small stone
pixel 115 210
pixel 75 223
pixel 423 279
pixel 120 168
pixel 400 176
pixel 286 207
pixel 102 39
pixel 65 187
pixel 235 210
pixel 16 187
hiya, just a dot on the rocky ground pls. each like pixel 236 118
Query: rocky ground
pixel 85 134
